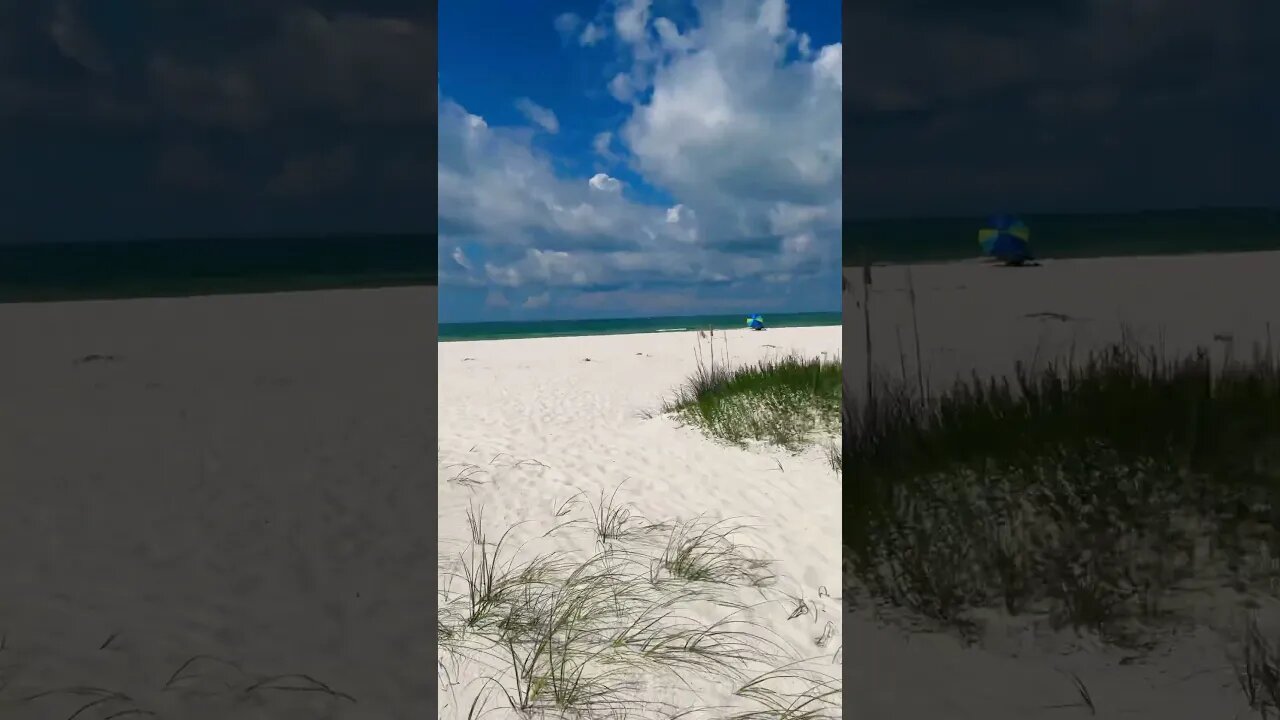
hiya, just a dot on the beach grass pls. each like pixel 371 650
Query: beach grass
pixel 788 400
pixel 1258 672
pixel 205 680
pixel 589 636
pixel 1086 490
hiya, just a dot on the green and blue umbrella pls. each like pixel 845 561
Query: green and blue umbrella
pixel 755 322
pixel 1006 238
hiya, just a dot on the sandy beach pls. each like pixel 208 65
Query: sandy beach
pixel 979 318
pixel 976 317
pixel 240 478
pixel 527 424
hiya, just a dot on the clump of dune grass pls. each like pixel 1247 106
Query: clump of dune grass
pixel 1133 400
pixel 493 582
pixel 610 521
pixel 583 637
pixel 1258 672
pixel 203 678
pixel 817 696
pixel 785 400
pixel 703 551
pixel 1087 491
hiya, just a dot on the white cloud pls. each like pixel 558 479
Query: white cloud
pixel 621 87
pixel 830 65
pixel 683 223
pixel 631 20
pixel 543 117
pixel 773 17
pixel 798 244
pixel 592 34
pixel 787 218
pixel 534 302
pixel 669 36
pixel 732 118
pixel 571 26
pixel 604 183
pixel 567 24
pixel 602 144
pixel 461 258
pixel 736 117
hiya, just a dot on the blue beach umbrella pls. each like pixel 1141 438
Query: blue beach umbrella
pixel 1006 238
pixel 755 322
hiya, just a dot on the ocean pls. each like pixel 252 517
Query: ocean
pixel 562 328
pixel 161 267
pixel 201 266
pixel 1175 232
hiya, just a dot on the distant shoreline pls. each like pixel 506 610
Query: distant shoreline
pixel 1068 236
pixel 611 334
pixel 465 332
pixel 855 263
pixel 19 296
pixel 190 267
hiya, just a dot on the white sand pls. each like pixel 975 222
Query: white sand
pixel 503 402
pixel 246 479
pixel 974 318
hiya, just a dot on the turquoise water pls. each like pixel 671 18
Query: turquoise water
pixel 561 328
pixel 1175 232
pixel 205 266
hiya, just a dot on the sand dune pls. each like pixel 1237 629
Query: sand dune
pixel 238 476
pixel 979 318
pixel 527 424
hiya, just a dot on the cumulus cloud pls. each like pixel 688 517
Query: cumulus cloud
pixel 534 302
pixel 631 20
pixel 460 257
pixel 734 116
pixel 1060 97
pixel 567 24
pixel 538 115
pixel 604 183
pixel 572 27
pixel 670 37
pixel 358 68
pixel 602 144
pixel 714 123
pixel 592 34
pixel 621 87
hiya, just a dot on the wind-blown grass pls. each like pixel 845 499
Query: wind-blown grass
pixel 193 678
pixel 1258 672
pixel 1084 489
pixel 1133 400
pixel 785 400
pixel 702 550
pixel 819 695
pixel 584 637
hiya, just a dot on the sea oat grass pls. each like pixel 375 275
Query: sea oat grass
pixel 1258 672
pixel 1080 488
pixel 582 636
pixel 787 400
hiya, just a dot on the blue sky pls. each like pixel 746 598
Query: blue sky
pixel 638 157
